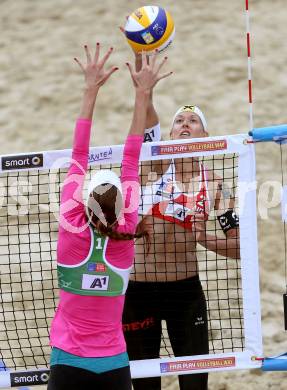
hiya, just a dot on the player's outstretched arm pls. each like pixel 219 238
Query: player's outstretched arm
pixel 96 75
pixel 144 80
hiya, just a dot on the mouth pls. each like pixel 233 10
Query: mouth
pixel 185 133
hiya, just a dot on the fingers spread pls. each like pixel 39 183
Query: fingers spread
pixel 131 72
pixel 161 64
pixel 97 52
pixel 111 71
pixel 144 59
pixel 128 64
pixel 79 63
pixel 163 76
pixel 88 54
pixel 107 75
pixel 105 58
pixel 153 59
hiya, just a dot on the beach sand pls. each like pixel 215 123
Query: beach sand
pixel 41 87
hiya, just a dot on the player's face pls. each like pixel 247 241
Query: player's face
pixel 187 125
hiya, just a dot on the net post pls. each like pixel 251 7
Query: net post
pixel 5 380
pixel 285 310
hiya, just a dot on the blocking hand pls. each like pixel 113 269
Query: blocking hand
pixel 94 70
pixel 148 76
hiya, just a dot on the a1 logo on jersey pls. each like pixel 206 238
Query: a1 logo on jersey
pixel 177 211
pixel 95 282
pixel 166 189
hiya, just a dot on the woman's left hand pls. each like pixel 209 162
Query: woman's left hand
pixel 94 70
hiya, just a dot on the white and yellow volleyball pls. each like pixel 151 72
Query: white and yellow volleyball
pixel 149 28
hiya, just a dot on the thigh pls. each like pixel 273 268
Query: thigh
pixel 147 383
pixel 142 330
pixel 187 324
pixel 188 332
pixel 64 377
pixel 119 379
pixel 193 381
pixel 141 324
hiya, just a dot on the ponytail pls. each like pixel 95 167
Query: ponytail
pixel 141 232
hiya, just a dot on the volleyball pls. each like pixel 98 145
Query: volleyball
pixel 149 28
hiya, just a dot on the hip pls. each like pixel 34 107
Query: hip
pixel 97 365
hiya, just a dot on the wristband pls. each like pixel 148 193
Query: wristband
pixel 228 220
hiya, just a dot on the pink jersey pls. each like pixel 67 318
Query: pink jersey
pixel 91 326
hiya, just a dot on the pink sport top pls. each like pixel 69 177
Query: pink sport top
pixel 91 326
pixel 164 200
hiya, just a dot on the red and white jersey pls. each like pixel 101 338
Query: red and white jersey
pixel 164 199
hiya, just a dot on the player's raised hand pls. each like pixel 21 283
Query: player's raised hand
pixel 149 74
pixel 94 69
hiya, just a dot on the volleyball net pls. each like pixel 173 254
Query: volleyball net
pixel 29 199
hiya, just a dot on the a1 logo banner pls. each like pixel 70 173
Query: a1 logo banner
pixel 95 282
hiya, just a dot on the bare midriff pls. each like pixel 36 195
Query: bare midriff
pixel 172 254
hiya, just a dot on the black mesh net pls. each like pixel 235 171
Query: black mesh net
pixel 28 240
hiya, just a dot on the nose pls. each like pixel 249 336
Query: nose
pixel 186 123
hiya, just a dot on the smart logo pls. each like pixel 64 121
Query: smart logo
pixel 23 161
pixel 29 377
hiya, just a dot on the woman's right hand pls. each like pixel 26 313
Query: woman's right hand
pixel 148 75
pixel 95 73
